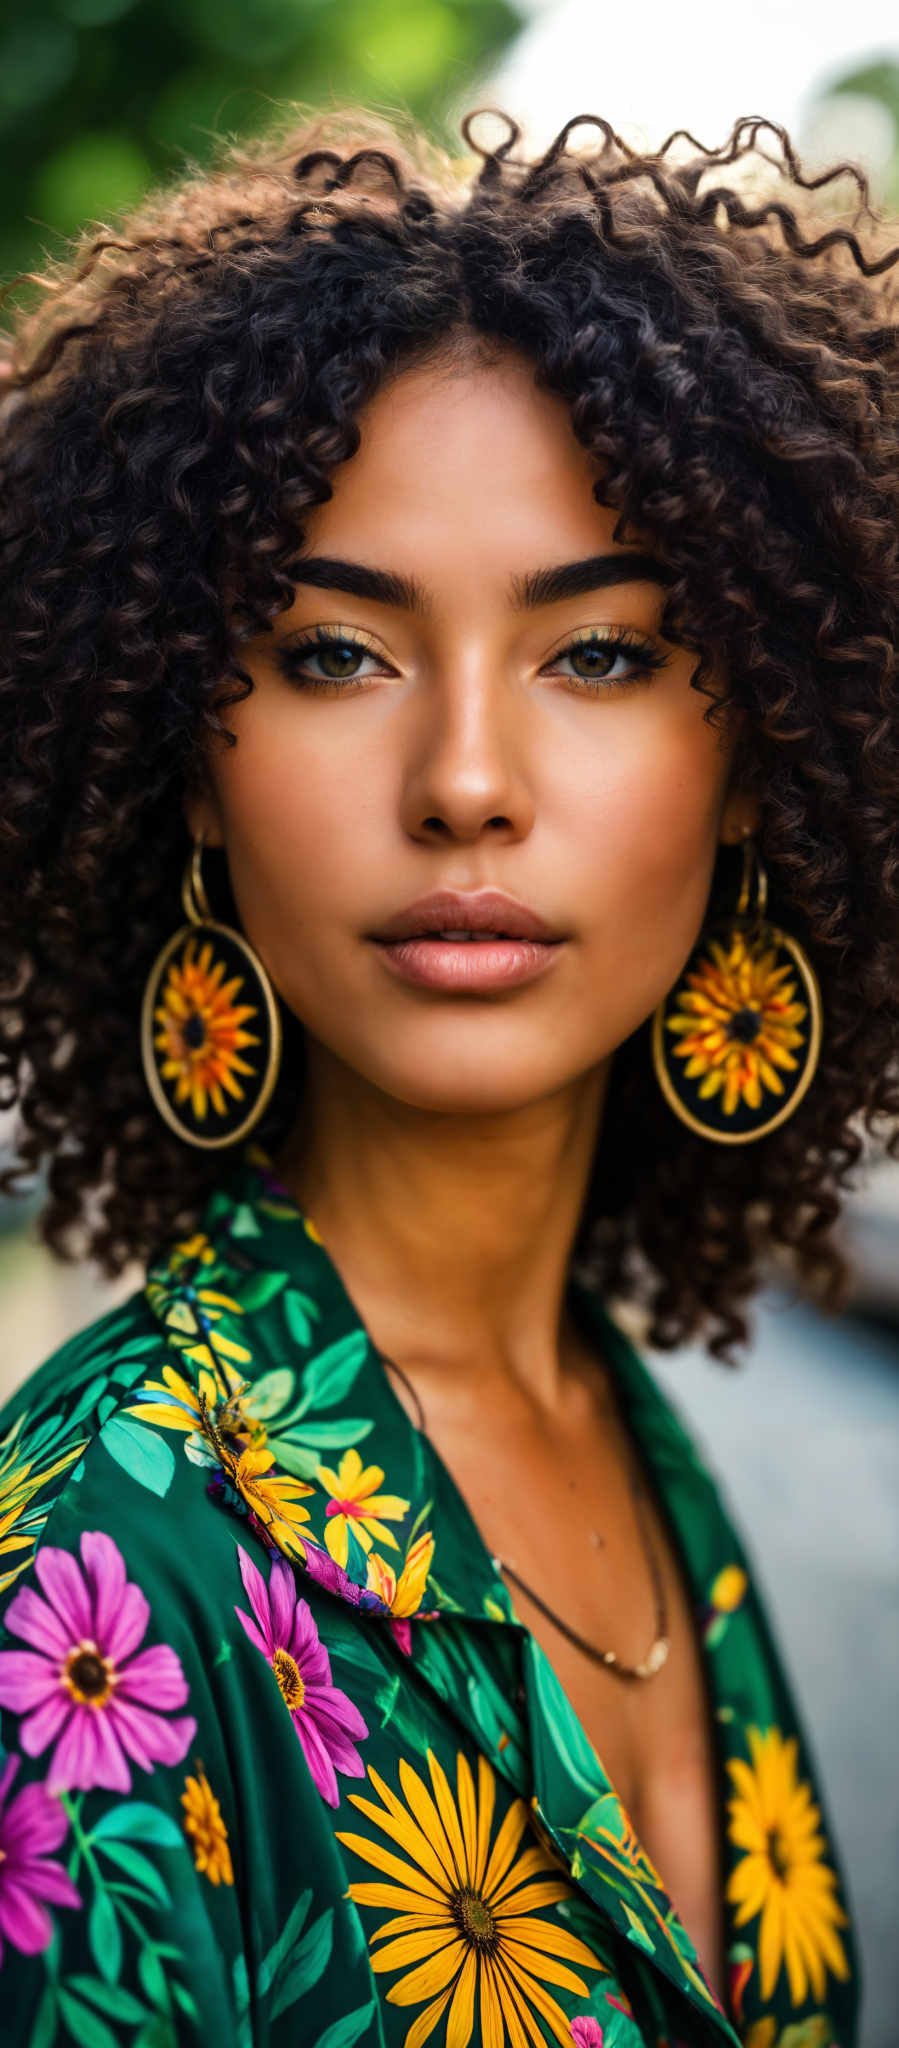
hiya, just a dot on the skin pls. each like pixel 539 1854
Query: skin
pixel 446 1139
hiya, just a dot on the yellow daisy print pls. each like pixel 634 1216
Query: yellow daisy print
pixel 201 1030
pixel 464 1923
pixel 275 1497
pixel 178 1405
pixel 20 1479
pixel 783 1874
pixel 355 1501
pixel 203 1821
pixel 737 1023
pixel 402 1595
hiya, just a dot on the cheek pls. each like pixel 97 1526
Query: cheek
pixel 295 821
pixel 648 824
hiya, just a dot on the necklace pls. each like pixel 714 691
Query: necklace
pixel 658 1651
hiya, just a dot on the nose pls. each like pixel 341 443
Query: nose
pixel 467 769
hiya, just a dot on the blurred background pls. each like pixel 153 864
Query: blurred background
pixel 101 98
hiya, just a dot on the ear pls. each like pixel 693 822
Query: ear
pixel 203 818
pixel 740 816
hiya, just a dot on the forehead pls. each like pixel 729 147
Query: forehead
pixel 471 462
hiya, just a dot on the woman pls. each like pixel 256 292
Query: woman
pixel 441 613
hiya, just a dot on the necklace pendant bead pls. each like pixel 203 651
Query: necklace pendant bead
pixel 656 1658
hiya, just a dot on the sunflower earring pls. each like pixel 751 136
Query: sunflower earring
pixel 736 1042
pixel 210 1025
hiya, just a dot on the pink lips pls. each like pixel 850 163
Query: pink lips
pixel 510 944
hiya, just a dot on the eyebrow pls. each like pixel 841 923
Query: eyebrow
pixel 539 587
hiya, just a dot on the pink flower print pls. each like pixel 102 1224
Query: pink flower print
pixel 82 1686
pixel 586 2033
pixel 286 1635
pixel 31 1824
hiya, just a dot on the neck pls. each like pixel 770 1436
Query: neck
pixel 451 1233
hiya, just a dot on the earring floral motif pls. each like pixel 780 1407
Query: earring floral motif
pixel 736 1042
pixel 210 1026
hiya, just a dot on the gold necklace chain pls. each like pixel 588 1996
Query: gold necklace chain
pixel 658 1651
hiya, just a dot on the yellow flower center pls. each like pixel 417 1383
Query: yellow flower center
pixel 287 1673
pixel 474 1919
pixel 88 1676
pixel 778 1855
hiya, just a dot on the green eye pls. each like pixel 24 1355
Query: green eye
pixel 598 652
pixel 338 655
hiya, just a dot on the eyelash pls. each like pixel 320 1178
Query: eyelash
pixel 611 641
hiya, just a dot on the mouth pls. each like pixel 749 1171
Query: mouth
pixel 466 917
pixel 468 942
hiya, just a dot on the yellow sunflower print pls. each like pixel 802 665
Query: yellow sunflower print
pixel 464 1923
pixel 21 1477
pixel 737 1023
pixel 783 1874
pixel 202 1030
pixel 203 1821
pixel 356 1503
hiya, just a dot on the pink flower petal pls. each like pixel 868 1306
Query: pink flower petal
pixel 258 1641
pixel 282 1596
pixel 62 1581
pixel 343 1753
pixel 130 1624
pixel 333 1708
pixel 26 1680
pixel 43 1725
pixel 155 1677
pixel 105 1569
pixel 26 1924
pixel 255 1588
pixel 317 1758
pixel 49 1881
pixel 148 1738
pixel 31 1618
pixel 11 1766
pixel 33 1823
pixel 73 1764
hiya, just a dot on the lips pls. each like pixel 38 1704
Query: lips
pixel 466 914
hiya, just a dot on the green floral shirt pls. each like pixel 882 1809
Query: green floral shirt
pixel 281 1765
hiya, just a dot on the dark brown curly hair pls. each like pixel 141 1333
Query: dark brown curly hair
pixel 182 391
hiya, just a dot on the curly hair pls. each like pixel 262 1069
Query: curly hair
pixel 182 390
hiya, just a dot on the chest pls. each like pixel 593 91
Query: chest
pixel 558 1508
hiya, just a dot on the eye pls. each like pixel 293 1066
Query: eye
pixel 338 654
pixel 597 654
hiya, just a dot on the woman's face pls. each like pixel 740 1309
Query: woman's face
pixel 463 743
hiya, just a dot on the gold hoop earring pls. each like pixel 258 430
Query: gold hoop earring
pixel 736 1043
pixel 210 1025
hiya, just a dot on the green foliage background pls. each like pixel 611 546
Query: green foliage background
pixel 101 98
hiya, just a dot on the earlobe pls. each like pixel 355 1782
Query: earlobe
pixel 202 821
pixel 740 818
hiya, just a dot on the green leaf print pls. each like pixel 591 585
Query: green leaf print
pixel 112 1999
pixel 329 1376
pixel 44 2030
pixel 104 1935
pixel 137 1821
pixel 300 1312
pixel 260 1289
pixel 305 1965
pixel 343 2032
pixel 85 2026
pixel 138 1867
pixel 328 1436
pixel 272 1391
pixel 271 1963
pixel 153 1979
pixel 142 1452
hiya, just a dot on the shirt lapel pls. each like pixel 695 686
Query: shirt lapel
pixel 293 1416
